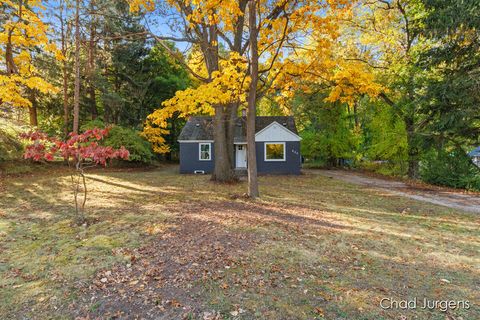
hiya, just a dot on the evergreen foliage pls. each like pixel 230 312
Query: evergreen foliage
pixel 454 169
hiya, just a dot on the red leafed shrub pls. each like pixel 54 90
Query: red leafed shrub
pixel 82 150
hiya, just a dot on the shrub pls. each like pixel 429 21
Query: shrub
pixel 453 169
pixel 386 146
pixel 90 125
pixel 52 125
pixel 140 149
pixel 383 167
pixel 10 145
pixel 335 145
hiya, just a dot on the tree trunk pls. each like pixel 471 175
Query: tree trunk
pixel 237 47
pixel 252 100
pixel 107 114
pixel 231 125
pixel 223 169
pixel 66 110
pixel 32 110
pixel 355 115
pixel 413 153
pixel 10 63
pixel 171 138
pixel 91 64
pixel 76 96
pixel 63 33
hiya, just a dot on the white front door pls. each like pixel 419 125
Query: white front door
pixel 241 155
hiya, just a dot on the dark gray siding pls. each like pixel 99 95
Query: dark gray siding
pixel 189 158
pixel 291 165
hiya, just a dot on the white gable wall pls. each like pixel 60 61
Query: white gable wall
pixel 276 132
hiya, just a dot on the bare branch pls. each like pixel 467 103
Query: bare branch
pixel 178 57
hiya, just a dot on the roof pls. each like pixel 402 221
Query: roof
pixel 201 128
pixel 475 152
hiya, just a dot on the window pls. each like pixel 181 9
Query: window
pixel 275 151
pixel 205 151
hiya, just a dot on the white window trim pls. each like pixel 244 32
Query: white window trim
pixel 274 160
pixel 209 151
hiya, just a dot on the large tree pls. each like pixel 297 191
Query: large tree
pixel 282 26
pixel 452 98
pixel 123 76
pixel 22 31
pixel 76 94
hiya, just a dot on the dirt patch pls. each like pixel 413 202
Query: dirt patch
pixel 165 279
pixel 159 280
pixel 439 196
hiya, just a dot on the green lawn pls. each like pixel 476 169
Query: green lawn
pixel 161 243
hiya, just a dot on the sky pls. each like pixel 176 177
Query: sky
pixel 156 22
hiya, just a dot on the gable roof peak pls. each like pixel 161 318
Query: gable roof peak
pixel 201 127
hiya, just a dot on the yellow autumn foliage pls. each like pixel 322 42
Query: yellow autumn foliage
pixel 137 5
pixel 297 49
pixel 327 58
pixel 23 31
pixel 228 85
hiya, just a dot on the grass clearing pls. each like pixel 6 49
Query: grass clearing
pixel 321 248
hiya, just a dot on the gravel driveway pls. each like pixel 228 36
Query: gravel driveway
pixel 443 197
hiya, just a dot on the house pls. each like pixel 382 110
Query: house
pixel 475 155
pixel 276 139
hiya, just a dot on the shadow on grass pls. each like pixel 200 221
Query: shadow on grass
pixel 305 226
pixel 124 186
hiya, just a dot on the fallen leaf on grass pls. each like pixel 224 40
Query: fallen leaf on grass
pixel 319 311
pixel 211 315
pixel 175 303
pixel 358 268
pixel 224 285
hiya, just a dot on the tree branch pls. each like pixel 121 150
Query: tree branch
pixel 177 57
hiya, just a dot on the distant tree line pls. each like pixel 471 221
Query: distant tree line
pixel 122 74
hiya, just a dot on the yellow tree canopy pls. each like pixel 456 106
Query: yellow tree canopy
pixel 327 60
pixel 381 38
pixel 298 45
pixel 21 31
pixel 228 85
